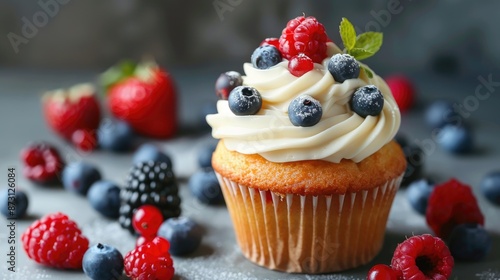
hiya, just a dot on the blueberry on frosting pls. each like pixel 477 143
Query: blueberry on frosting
pixel 244 100
pixel 367 101
pixel 343 67
pixel 305 111
pixel 265 57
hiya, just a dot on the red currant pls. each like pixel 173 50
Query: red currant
pixel 84 140
pixel 271 41
pixel 300 64
pixel 381 272
pixel 146 220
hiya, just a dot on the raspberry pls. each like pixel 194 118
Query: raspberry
pixel 450 204
pixel 304 35
pixel 55 241
pixel 42 163
pixel 403 91
pixel 422 257
pixel 150 261
pixel 300 64
pixel 271 41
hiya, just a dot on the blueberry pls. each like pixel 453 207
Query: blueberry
pixel 367 101
pixel 226 83
pixel 13 203
pixel 244 100
pixel 415 162
pixel 343 67
pixel 116 136
pixel 418 193
pixel 469 242
pixel 490 186
pixel 265 57
pixel 79 176
pixel 103 262
pixel 304 111
pixel 455 139
pixel 205 187
pixel 149 152
pixel 440 113
pixel 183 234
pixel 104 196
pixel 205 155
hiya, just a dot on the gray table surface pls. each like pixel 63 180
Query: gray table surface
pixel 21 122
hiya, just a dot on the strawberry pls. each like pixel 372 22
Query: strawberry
pixel 145 98
pixel 68 110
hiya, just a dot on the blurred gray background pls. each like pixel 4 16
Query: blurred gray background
pixel 452 37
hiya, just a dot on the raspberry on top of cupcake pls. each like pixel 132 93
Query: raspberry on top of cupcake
pixel 303 98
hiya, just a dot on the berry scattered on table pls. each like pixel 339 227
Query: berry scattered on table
pixel 271 41
pixel 402 90
pixel 67 110
pixel 440 113
pixel 422 257
pixel 146 220
pixel 78 176
pixel 55 241
pixel 304 111
pixel 205 187
pixel 343 67
pixel 150 261
pixel 205 155
pixel 418 193
pixel 304 35
pixel 244 100
pixel 226 83
pixel 104 196
pixel 102 262
pixel 415 162
pixel 146 99
pixel 367 101
pixel 13 205
pixel 265 57
pixel 85 140
pixel 42 163
pixel 490 187
pixel 455 139
pixel 150 152
pixel 115 136
pixel 450 204
pixel 151 183
pixel 183 233
pixel 300 64
pixel 381 272
pixel 143 239
pixel 469 242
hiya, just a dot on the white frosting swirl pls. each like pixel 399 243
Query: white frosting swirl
pixel 340 134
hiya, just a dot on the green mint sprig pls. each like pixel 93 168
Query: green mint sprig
pixel 360 46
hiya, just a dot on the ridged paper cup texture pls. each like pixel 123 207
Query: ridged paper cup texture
pixel 309 234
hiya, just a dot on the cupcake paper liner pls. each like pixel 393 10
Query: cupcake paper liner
pixel 309 234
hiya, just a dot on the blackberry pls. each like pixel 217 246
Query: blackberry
pixel 149 183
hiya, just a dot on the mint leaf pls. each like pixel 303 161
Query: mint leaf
pixel 370 42
pixel 368 72
pixel 360 54
pixel 347 33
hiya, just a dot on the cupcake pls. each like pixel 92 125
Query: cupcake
pixel 306 158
